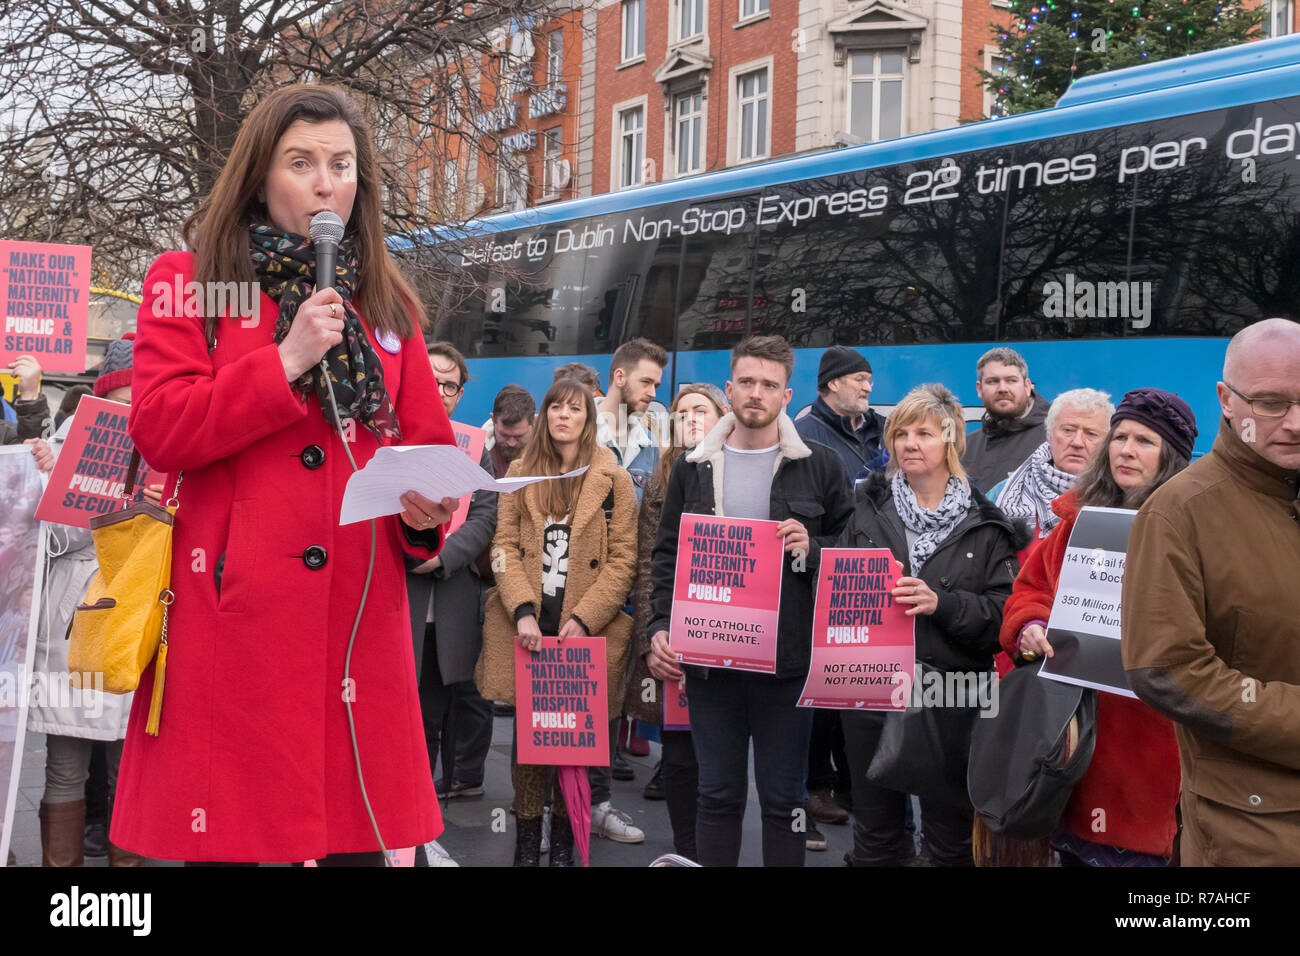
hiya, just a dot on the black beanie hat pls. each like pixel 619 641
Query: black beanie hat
pixel 840 360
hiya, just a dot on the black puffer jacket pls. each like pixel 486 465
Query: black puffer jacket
pixel 971 572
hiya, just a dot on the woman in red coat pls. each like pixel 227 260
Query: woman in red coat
pixel 253 760
pixel 1121 813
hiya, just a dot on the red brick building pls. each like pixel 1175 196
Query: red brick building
pixel 685 86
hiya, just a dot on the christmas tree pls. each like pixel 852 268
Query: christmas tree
pixel 1051 43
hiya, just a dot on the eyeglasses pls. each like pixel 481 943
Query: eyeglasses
pixel 450 389
pixel 1265 407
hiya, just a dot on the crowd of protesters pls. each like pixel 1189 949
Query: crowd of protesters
pixel 596 555
pixel 1203 766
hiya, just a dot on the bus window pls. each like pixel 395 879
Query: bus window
pixel 1216 239
pixel 713 295
pixel 1067 229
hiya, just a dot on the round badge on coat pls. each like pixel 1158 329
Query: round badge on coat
pixel 390 343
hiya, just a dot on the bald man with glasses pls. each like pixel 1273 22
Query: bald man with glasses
pixel 1211 612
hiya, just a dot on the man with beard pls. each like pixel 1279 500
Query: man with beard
pixel 1013 423
pixel 512 424
pixel 754 465
pixel 842 417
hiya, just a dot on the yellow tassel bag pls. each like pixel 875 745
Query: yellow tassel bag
pixel 121 624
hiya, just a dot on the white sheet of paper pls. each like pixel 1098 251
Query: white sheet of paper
pixel 435 471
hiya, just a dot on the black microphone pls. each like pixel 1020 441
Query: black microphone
pixel 326 231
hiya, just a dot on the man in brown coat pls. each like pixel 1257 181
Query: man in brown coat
pixel 1211 612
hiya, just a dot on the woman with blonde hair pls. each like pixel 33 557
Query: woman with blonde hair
pixel 959 560
pixel 564 554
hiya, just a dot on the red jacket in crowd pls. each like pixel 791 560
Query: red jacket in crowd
pixel 1134 774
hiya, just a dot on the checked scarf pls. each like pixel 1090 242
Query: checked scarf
pixel 286 269
pixel 1030 490
pixel 930 527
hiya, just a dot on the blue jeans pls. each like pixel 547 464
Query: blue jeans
pixel 727 709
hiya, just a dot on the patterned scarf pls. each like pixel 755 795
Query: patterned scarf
pixel 1030 490
pixel 930 527
pixel 286 268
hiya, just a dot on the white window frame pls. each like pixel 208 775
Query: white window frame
pixel 754 9
pixel 551 137
pixel 1279 9
pixel 423 189
pixel 991 62
pixel 511 192
pixel 876 79
pixel 680 9
pixel 456 87
pixel 638 48
pixel 617 155
pixel 736 111
pixel 681 146
pixel 555 57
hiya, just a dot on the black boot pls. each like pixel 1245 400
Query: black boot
pixel 561 841
pixel 528 842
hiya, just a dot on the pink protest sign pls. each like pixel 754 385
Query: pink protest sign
pixel 561 703
pixel 90 475
pixel 727 593
pixel 863 646
pixel 470 440
pixel 677 713
pixel 44 299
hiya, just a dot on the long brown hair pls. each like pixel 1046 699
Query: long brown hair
pixel 1097 486
pixel 217 232
pixel 541 457
pixel 676 448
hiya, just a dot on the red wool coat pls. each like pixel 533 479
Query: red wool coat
pixel 254 759
pixel 1134 772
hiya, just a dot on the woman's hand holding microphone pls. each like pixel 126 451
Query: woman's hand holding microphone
pixel 317 327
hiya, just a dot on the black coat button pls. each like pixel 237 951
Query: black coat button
pixel 595 563
pixel 314 557
pixel 313 456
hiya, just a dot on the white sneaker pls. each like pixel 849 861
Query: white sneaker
pixel 546 830
pixel 614 825
pixel 437 856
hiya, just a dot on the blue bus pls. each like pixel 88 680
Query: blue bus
pixel 1116 240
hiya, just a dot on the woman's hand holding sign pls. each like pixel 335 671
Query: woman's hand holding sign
pixel 917 593
pixel 1033 641
pixel 661 660
pixel 529 634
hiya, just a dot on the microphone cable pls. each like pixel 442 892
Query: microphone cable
pixel 356 625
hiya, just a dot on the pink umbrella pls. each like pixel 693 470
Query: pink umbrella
pixel 576 791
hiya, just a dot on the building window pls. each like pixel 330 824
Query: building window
pixel 752 8
pixel 453 102
pixel 689 123
pixel 631 139
pixel 633 29
pixel 551 155
pixel 876 94
pixel 751 90
pixel 1278 22
pixel 690 18
pixel 512 183
pixel 451 176
pixel 555 58
pixel 423 184
pixel 996 65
